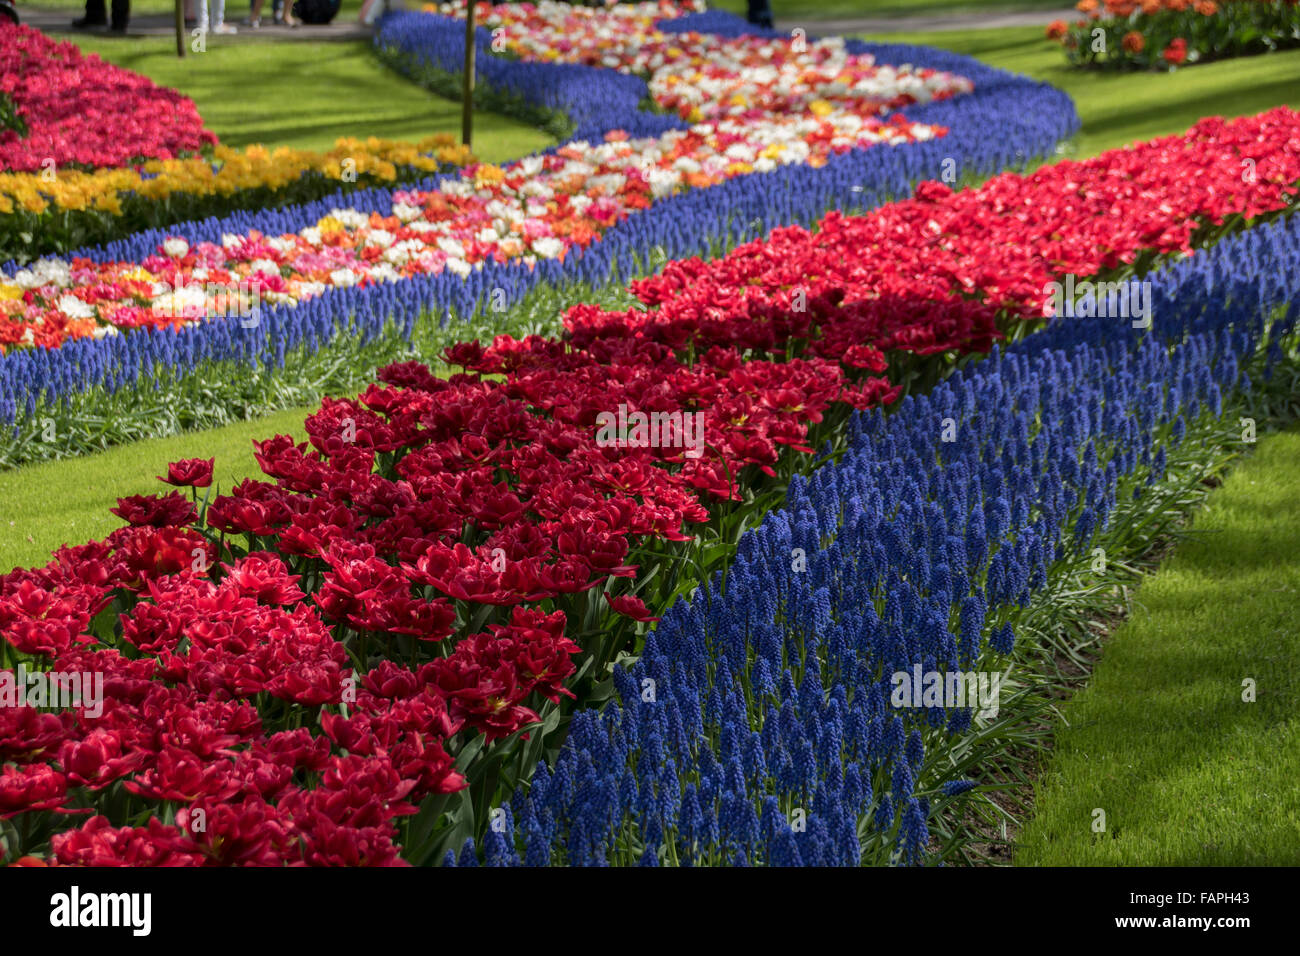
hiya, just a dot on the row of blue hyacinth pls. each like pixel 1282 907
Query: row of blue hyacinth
pixel 758 726
pixel 1006 122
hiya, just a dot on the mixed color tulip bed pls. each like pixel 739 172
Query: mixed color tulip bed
pixel 633 586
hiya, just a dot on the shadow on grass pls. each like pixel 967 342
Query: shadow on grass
pixel 1187 772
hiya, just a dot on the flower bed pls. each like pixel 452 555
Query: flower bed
pixel 77 110
pixel 765 99
pixel 40 214
pixel 540 207
pixel 762 725
pixel 1163 34
pixel 455 543
pixel 38 384
pixel 937 272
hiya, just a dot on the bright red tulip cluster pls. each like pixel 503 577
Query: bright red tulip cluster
pixel 289 673
pixel 414 510
pixel 77 109
pixel 935 273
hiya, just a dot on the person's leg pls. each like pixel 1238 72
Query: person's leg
pixel 95 15
pixel 121 14
pixel 219 24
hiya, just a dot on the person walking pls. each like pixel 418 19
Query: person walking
pixel 760 13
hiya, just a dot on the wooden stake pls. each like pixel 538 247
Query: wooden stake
pixel 467 94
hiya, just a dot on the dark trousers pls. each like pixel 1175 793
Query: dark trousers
pixel 121 11
pixel 760 13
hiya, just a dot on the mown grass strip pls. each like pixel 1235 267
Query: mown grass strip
pixel 1186 771
pixel 1122 108
pixel 256 92
pixel 53 503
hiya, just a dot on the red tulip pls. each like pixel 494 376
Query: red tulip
pixel 190 473
pixel 630 606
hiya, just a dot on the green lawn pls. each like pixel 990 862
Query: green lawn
pixel 66 502
pixel 1161 740
pixel 306 94
pixel 1121 108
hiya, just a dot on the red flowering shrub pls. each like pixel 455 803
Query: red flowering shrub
pixel 77 109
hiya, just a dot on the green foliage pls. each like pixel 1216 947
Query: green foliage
pixel 9 118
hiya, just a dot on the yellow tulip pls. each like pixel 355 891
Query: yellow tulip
pixel 228 171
